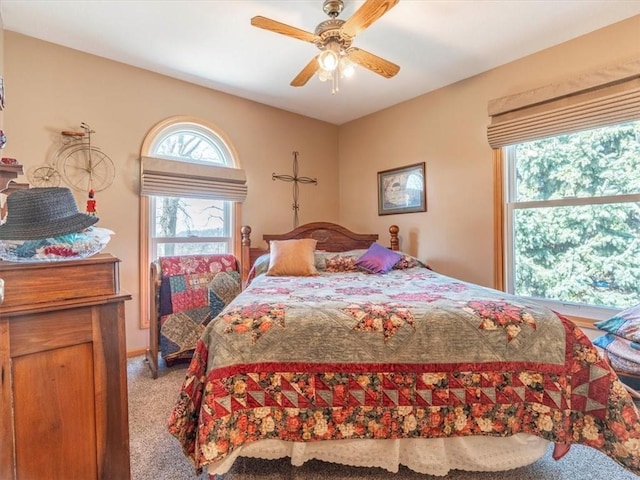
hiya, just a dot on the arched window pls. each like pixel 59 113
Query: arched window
pixel 191 142
pixel 191 184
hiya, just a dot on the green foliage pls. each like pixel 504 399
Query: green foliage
pixel 580 253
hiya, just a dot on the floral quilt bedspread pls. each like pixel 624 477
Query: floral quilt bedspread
pixel 411 353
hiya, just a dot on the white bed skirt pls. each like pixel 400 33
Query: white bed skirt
pixel 432 456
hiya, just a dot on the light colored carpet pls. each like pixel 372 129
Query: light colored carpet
pixel 156 455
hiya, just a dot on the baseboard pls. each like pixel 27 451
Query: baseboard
pixel 136 353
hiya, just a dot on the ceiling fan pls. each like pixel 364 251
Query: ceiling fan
pixel 334 38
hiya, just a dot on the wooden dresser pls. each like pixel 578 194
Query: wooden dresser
pixel 63 371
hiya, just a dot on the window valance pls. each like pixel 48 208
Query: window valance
pixel 175 178
pixel 592 100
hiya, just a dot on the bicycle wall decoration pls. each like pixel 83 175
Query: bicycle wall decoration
pixel 80 164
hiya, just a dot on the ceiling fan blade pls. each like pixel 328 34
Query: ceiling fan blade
pixel 284 29
pixel 306 73
pixel 369 12
pixel 372 62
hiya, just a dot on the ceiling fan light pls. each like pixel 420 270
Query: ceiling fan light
pixel 347 67
pixel 323 75
pixel 328 60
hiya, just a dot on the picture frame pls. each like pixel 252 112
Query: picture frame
pixel 1 93
pixel 402 190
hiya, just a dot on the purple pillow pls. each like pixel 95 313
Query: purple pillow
pixel 378 259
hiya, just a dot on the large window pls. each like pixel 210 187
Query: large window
pixel 573 219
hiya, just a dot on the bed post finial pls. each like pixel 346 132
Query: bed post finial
pixel 245 253
pixel 395 242
pixel 246 235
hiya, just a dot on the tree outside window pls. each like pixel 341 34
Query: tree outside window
pixel 573 217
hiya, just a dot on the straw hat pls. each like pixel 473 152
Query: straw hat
pixel 36 213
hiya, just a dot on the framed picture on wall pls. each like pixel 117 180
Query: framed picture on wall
pixel 402 190
pixel 1 93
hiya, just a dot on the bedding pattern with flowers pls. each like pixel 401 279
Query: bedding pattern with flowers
pixel 501 314
pixel 254 319
pixel 408 354
pixel 385 318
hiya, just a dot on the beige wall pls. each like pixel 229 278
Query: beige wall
pixel 447 130
pixel 52 88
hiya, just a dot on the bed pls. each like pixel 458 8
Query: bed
pixel 403 366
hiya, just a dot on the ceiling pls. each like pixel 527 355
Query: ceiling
pixel 211 42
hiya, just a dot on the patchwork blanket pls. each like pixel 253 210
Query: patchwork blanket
pixel 193 290
pixel 404 355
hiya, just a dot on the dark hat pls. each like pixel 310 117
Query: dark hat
pixel 35 213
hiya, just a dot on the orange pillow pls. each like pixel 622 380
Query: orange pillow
pixel 293 258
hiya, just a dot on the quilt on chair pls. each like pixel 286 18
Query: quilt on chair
pixel 193 290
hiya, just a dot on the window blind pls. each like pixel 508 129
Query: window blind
pixel 175 178
pixel 606 97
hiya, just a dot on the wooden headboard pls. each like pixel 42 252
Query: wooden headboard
pixel 330 236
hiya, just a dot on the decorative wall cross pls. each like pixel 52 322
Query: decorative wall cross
pixel 295 179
